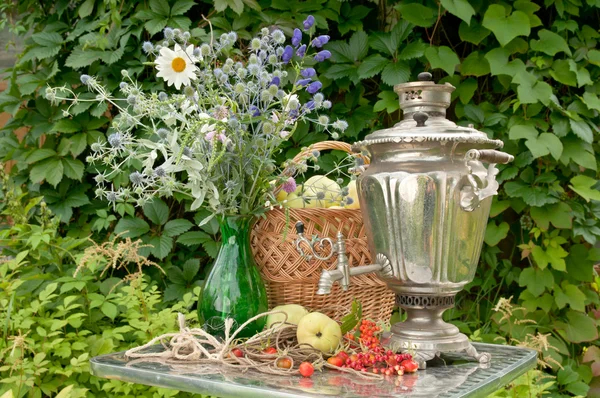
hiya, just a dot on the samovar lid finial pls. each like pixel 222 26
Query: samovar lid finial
pixel 424 95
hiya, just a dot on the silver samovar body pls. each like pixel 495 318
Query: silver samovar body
pixel 425 200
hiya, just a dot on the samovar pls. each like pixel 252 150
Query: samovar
pixel 425 199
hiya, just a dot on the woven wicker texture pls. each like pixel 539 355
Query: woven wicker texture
pixel 291 279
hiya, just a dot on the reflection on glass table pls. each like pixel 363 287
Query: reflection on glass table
pixel 453 376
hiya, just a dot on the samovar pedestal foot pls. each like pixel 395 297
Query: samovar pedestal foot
pixel 481 357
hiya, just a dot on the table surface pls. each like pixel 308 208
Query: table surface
pixel 453 377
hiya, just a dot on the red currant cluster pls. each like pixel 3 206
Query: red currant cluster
pixel 377 360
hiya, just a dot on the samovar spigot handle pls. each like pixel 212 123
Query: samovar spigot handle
pixel 342 271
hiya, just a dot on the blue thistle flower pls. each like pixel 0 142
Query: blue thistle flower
pixel 289 186
pixel 131 99
pixel 163 96
pixel 296 37
pixel 123 85
pixel 308 22
pixel 169 33
pixel 322 56
pixel 314 87
pixel 254 110
pixel 160 172
pixel 85 79
pixel 287 55
pixel 308 72
pixel 320 41
pixel 276 81
pixel 147 47
pixel 136 178
pixel 301 51
pixel 115 140
pixel 310 105
pixel 304 82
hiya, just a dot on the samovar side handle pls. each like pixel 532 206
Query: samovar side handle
pixel 482 183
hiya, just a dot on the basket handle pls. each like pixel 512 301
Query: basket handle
pixel 329 145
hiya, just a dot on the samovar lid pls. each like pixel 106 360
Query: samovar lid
pixel 424 105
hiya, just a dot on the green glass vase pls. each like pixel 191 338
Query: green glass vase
pixel 233 287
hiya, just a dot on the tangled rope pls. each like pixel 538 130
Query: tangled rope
pixel 198 347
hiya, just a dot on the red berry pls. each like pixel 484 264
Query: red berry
pixel 237 352
pixel 306 369
pixel 284 363
pixel 409 365
pixel 335 361
pixel 270 350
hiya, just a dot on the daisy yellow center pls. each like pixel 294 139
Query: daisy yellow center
pixel 178 64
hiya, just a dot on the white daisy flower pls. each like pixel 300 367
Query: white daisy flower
pixel 177 67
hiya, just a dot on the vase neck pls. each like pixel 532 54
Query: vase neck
pixel 235 226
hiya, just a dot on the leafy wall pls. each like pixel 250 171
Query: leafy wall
pixel 525 72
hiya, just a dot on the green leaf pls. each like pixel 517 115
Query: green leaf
pixel 495 233
pixel 161 246
pixel 193 238
pixel 475 65
pixel 579 152
pixel 80 58
pixel 388 101
pixel 473 33
pixel 352 319
pixel 442 57
pixel 559 214
pixel 460 8
pixel 177 227
pixel 520 131
pixel 359 45
pixel 157 211
pixel 499 65
pixel 340 52
pixel 134 226
pixel 372 66
pixel 532 195
pixel 161 7
pixel 580 328
pixel 416 49
pixel 556 255
pixel 550 43
pixel 395 73
pixel 574 297
pixel 562 73
pixel 578 388
pixel 47 39
pixel 86 8
pixel 109 309
pixel 583 186
pixel 190 269
pixel 582 75
pixel 50 170
pixel 40 154
pixel 591 100
pixel 417 14
pixel 545 143
pixel 582 130
pixel 506 28
pixel 466 90
pixel 155 25
pixel 73 168
pixel 594 57
pixel 66 126
pixel 181 7
pixel 536 280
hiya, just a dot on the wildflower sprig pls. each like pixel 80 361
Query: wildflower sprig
pixel 214 139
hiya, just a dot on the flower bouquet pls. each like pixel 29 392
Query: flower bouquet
pixel 213 140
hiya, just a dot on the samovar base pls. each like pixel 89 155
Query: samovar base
pixel 425 334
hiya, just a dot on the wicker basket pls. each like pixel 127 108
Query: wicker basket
pixel 291 279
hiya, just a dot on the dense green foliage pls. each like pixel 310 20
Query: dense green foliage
pixel 525 72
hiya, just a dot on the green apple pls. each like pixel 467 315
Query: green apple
pixel 322 190
pixel 353 193
pixel 319 331
pixel 294 313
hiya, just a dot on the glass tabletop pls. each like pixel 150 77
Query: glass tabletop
pixel 452 377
